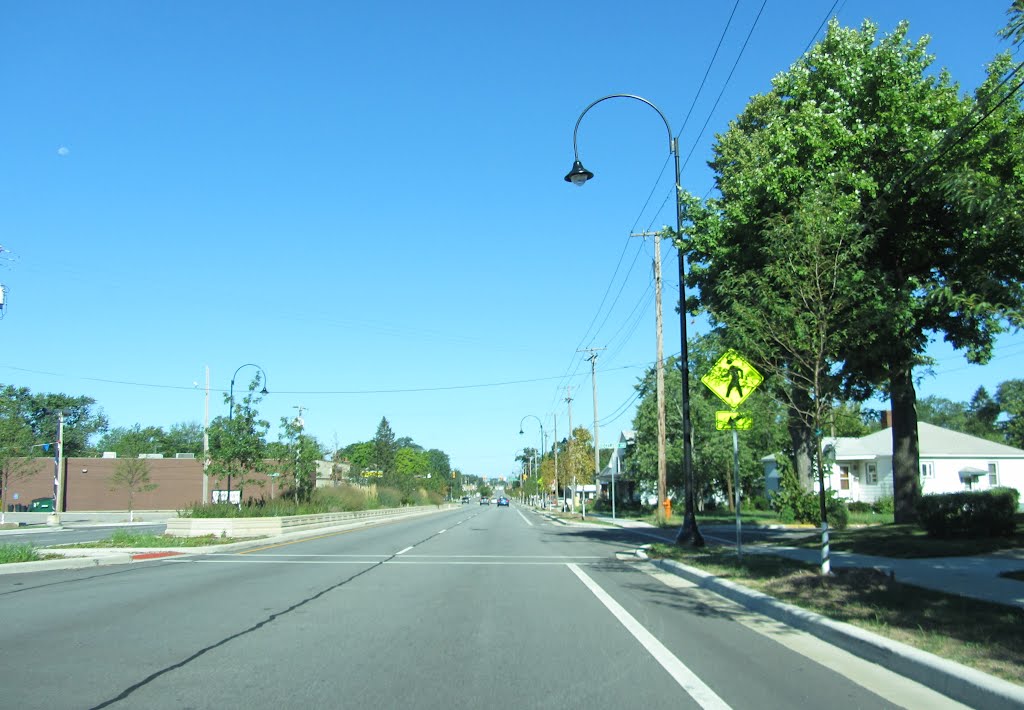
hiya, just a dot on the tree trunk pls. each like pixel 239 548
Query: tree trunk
pixel 801 435
pixel 906 482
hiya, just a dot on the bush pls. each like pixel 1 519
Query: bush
pixel 344 497
pixel 886 505
pixel 969 513
pixel 793 503
pixel 389 497
pixel 859 506
pixel 758 502
pixel 836 512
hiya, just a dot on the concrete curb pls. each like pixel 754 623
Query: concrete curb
pixel 959 682
pixel 113 558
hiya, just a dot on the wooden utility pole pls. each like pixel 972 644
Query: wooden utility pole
pixel 593 383
pixel 659 369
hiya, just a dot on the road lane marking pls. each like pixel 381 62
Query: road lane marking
pixel 405 550
pixel 524 517
pixel 442 532
pixel 687 679
pixel 877 679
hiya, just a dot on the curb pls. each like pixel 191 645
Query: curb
pixel 956 681
pixel 67 563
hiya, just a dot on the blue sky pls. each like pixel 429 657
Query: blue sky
pixel 366 200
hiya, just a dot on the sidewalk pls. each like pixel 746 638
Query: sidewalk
pixel 976 577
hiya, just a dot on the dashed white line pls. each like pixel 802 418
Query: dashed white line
pixel 442 532
pixel 404 551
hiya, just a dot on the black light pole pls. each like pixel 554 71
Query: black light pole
pixel 688 533
pixel 231 404
pixel 543 444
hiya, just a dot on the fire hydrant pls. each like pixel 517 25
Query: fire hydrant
pixel 668 509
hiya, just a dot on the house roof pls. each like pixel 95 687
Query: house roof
pixel 936 441
pixel 933 442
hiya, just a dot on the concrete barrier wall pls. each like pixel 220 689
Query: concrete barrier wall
pixel 268 527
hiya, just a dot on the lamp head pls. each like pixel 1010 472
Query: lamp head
pixel 520 431
pixel 264 391
pixel 579 174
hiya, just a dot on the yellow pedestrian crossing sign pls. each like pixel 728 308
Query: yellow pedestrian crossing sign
pixel 733 420
pixel 732 378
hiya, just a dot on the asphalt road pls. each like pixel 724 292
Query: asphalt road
pixel 472 607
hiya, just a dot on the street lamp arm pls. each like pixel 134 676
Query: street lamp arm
pixel 671 138
pixel 250 364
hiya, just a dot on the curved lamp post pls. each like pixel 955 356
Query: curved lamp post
pixel 543 444
pixel 231 403
pixel 578 176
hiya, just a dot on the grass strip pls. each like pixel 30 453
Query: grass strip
pixel 985 636
pixel 18 553
pixel 124 538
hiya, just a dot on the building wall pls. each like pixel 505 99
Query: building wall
pixel 179 483
pixel 945 478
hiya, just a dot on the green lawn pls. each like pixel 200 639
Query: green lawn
pixel 906 541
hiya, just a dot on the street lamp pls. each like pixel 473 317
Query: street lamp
pixel 231 404
pixel 579 176
pixel 543 444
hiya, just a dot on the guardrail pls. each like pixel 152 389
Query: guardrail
pixel 267 527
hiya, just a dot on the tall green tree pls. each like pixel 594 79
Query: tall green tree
pixel 131 475
pixel 17 441
pixel 1010 395
pixel 934 182
pixel 385 448
pixel 81 420
pixel 296 454
pixel 238 443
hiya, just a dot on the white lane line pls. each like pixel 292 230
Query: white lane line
pixel 404 551
pixel 524 518
pixel 687 679
pixel 442 532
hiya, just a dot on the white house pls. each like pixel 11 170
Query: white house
pixel 950 461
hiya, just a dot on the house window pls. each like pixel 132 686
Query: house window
pixel 871 475
pixel 993 474
pixel 927 470
pixel 844 478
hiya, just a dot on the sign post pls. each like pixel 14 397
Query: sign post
pixel 732 379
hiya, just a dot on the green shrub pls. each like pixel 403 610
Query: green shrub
pixel 793 503
pixel 859 506
pixel 344 497
pixel 389 497
pixel 758 502
pixel 885 505
pixel 969 513
pixel 18 553
pixel 836 512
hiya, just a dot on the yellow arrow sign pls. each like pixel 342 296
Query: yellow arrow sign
pixel 732 378
pixel 733 420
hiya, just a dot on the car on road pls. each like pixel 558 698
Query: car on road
pixel 485 501
pixel 503 501
pixel 465 499
pixel 42 505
